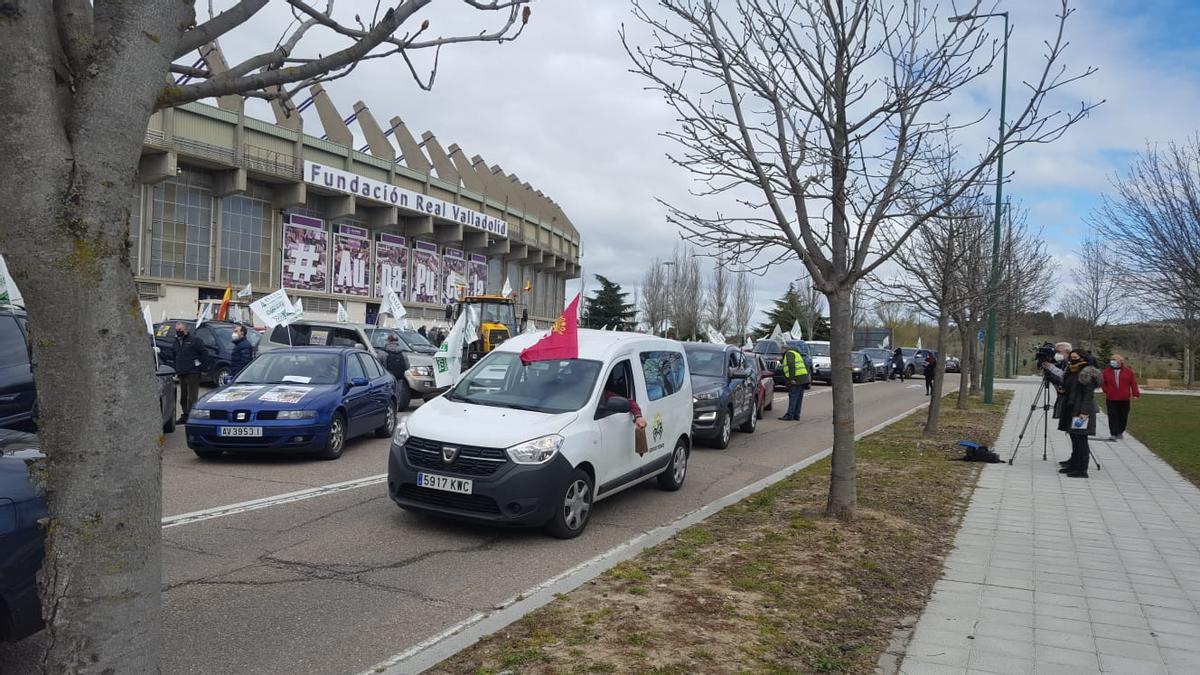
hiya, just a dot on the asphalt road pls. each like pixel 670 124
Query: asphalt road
pixel 336 582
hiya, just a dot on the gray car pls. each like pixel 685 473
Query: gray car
pixel 418 379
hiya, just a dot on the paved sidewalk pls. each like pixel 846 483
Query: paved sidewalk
pixel 1064 575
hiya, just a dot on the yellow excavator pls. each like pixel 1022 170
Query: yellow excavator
pixel 497 322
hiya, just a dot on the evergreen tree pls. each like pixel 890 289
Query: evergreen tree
pixel 789 309
pixel 608 307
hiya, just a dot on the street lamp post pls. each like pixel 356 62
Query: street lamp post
pixel 671 292
pixel 989 352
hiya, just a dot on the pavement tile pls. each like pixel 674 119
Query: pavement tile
pixel 938 654
pixel 1124 633
pixel 1065 640
pixel 987 662
pixel 1019 634
pixel 1048 654
pixel 1128 666
pixel 918 667
pixel 1061 612
pixel 1072 626
pixel 1176 641
pixel 1168 626
pixel 1181 661
pixel 1130 650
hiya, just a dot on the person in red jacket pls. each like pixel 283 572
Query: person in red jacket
pixel 1120 387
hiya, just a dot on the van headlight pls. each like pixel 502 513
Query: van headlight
pixel 705 396
pixel 400 437
pixel 537 451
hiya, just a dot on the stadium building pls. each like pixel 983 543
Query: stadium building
pixel 227 199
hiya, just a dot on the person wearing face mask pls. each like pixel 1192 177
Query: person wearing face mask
pixel 1120 387
pixel 1077 412
pixel 1055 371
pixel 189 362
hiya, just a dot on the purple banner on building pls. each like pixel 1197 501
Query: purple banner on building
pixel 426 283
pixel 305 254
pixel 454 275
pixel 477 274
pixel 391 264
pixel 351 261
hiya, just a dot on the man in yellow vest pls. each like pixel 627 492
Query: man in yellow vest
pixel 795 373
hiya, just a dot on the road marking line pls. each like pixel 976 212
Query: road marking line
pixel 438 648
pixel 264 502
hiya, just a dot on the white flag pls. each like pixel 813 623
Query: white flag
pixel 507 290
pixel 9 293
pixel 392 304
pixel 530 327
pixel 297 310
pixel 471 332
pixel 245 292
pixel 796 333
pixel 777 334
pixel 714 336
pixel 918 342
pixel 342 316
pixel 749 343
pixel 273 309
pixel 886 342
pixel 148 319
pixel 205 314
pixel 447 363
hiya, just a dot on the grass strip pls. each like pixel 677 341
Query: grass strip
pixel 1169 425
pixel 769 585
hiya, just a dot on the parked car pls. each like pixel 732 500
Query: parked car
pixel 771 352
pixel 723 392
pixel 916 365
pixel 819 351
pixel 167 397
pixel 303 399
pixel 882 360
pixel 548 439
pixel 864 367
pixel 765 392
pixel 22 539
pixel 418 381
pixel 411 339
pixel 953 365
pixel 217 338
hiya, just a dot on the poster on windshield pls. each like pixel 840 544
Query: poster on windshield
pixel 477 274
pixel 234 393
pixel 391 265
pixel 454 275
pixel 285 394
pixel 351 261
pixel 426 282
pixel 305 254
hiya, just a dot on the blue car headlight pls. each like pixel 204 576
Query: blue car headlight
pixel 200 414
pixel 296 414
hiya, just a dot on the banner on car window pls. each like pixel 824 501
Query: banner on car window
pixel 305 254
pixel 351 261
pixel 454 276
pixel 477 274
pixel 391 265
pixel 426 280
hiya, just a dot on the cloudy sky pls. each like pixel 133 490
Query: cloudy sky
pixel 560 108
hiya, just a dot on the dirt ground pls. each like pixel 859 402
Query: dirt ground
pixel 769 585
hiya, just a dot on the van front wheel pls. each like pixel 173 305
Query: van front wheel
pixel 574 507
pixel 672 479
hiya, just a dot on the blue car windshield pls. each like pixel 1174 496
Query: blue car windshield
pixel 284 367
pixel 706 362
pixel 501 380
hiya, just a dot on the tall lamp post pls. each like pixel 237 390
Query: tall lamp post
pixel 671 291
pixel 989 352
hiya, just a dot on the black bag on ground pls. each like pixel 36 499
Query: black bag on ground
pixel 979 453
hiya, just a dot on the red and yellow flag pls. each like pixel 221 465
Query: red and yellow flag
pixel 561 342
pixel 528 286
pixel 223 312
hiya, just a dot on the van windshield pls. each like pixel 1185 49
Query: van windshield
pixel 501 380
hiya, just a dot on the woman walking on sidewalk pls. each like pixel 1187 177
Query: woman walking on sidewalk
pixel 1120 387
pixel 1078 414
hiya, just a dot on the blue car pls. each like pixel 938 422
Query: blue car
pixel 21 537
pixel 296 400
pixel 724 392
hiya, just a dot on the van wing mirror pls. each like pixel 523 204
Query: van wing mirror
pixel 617 404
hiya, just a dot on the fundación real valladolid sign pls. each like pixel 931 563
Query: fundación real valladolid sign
pixel 354 184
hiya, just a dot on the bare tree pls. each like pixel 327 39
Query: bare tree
pixel 1098 293
pixel 80 81
pixel 743 304
pixel 655 298
pixel 720 311
pixel 687 293
pixel 812 303
pixel 820 120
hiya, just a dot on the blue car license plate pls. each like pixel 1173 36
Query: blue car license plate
pixel 462 486
pixel 253 432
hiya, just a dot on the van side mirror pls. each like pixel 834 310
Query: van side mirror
pixel 617 404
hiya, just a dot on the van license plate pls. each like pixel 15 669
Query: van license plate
pixel 444 483
pixel 241 431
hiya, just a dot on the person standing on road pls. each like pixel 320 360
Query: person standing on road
pixel 396 360
pixel 189 360
pixel 243 352
pixel 930 365
pixel 1120 387
pixel 1079 380
pixel 897 365
pixel 795 373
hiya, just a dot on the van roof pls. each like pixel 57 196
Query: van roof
pixel 595 344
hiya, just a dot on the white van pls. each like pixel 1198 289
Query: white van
pixel 537 444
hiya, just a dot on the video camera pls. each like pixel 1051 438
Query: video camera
pixel 1043 354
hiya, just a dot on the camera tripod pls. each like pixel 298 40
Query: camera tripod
pixel 1042 400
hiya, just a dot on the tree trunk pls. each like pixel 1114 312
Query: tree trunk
pixel 843 490
pixel 976 363
pixel 935 400
pixel 71 143
pixel 964 369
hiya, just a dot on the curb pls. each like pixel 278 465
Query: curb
pixel 437 648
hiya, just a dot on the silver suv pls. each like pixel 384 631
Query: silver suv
pixel 418 379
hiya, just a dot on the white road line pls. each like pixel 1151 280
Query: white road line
pixel 437 648
pixel 255 504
